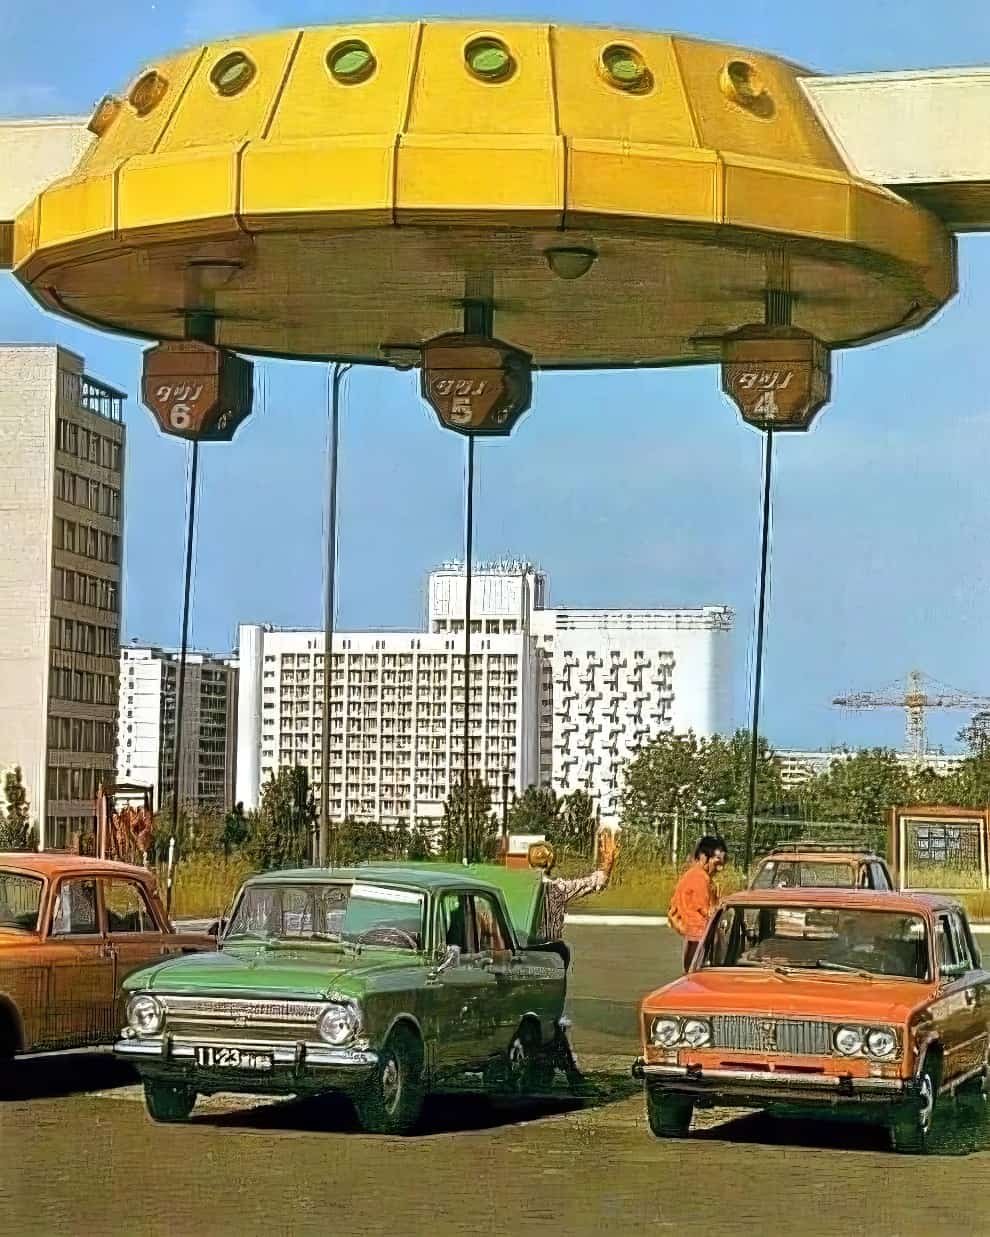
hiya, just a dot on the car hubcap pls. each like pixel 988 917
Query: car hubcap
pixel 390 1084
pixel 927 1104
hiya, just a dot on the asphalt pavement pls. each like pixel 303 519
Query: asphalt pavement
pixel 79 1156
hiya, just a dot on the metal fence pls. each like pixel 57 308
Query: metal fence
pixel 677 835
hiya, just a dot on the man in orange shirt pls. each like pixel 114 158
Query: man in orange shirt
pixel 695 896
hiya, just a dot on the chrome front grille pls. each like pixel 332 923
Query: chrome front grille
pixel 218 1018
pixel 791 1036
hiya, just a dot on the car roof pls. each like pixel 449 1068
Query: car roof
pixel 812 850
pixel 417 878
pixel 54 863
pixel 873 899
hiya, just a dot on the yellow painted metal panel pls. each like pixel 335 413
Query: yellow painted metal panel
pixel 781 126
pixel 130 134
pixel 588 105
pixel 76 210
pixel 158 190
pixel 314 103
pixel 206 118
pixel 335 175
pixel 26 232
pixel 447 98
pixel 637 179
pixel 520 174
pixel 783 198
pixel 881 220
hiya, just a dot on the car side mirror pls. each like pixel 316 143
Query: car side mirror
pixel 216 927
pixel 451 958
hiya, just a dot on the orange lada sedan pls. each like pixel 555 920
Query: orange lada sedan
pixel 806 1002
pixel 71 929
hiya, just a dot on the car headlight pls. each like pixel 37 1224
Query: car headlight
pixel 881 1042
pixel 145 1014
pixel 696 1032
pixel 665 1032
pixel 338 1024
pixel 848 1041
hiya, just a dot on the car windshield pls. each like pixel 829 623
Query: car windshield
pixel 864 940
pixel 805 874
pixel 20 901
pixel 353 912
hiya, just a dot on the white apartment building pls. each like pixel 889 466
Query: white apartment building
pixel 396 713
pixel 61 512
pixel 797 766
pixel 558 697
pixel 614 679
pixel 149 679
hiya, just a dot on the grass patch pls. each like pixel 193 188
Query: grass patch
pixel 205 885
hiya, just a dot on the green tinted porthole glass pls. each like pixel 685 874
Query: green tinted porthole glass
pixel 489 59
pixel 351 62
pixel 625 69
pixel 232 73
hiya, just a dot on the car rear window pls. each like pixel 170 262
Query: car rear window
pixel 20 901
pixel 805 874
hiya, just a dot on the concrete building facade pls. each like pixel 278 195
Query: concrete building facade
pixel 146 733
pixel 558 697
pixel 61 511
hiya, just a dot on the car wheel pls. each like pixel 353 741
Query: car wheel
pixel 910 1133
pixel 669 1115
pixel 167 1103
pixel 391 1100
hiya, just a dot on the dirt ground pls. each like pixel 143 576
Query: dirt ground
pixel 79 1156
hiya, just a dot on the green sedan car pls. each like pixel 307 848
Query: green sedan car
pixel 380 982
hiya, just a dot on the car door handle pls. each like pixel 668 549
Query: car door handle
pixel 108 951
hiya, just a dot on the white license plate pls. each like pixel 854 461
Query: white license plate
pixel 209 1056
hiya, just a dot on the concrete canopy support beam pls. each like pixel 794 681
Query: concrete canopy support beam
pixel 921 134
pixel 33 154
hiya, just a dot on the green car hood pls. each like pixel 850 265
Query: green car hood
pixel 307 973
pixel 522 889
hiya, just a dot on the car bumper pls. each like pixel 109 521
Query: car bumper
pixel 756 1088
pixel 295 1067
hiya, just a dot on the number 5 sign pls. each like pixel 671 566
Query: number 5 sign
pixel 778 376
pixel 197 390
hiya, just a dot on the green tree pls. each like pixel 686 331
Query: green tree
pixel 283 827
pixel 420 845
pixel 360 840
pixel 483 832
pixel 15 823
pixel 663 776
pixel 724 782
pixel 862 788
pixel 236 829
pixel 534 811
pixel 573 826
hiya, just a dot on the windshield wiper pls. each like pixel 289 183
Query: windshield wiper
pixel 823 965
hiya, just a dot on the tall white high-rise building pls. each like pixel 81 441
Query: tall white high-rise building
pixel 61 515
pixel 615 679
pixel 558 697
pixel 146 733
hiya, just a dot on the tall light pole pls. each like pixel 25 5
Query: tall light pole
pixel 329 600
pixel 468 552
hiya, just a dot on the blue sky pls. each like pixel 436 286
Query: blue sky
pixel 648 493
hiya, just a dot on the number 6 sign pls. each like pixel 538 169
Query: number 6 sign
pixel 196 390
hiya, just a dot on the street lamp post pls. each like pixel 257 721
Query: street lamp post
pixel 337 377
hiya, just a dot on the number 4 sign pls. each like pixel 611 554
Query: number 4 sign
pixel 778 377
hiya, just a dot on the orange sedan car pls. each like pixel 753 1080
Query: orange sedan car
pixel 829 1002
pixel 71 929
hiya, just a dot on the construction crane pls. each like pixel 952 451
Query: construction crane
pixel 918 694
